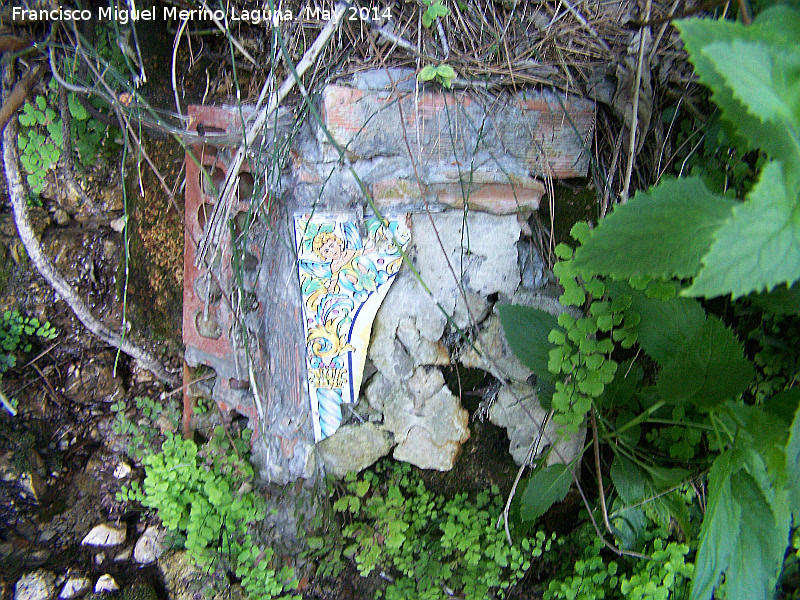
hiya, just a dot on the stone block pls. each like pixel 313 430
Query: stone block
pixel 427 420
pixel 479 259
pixel 517 409
pixel 354 448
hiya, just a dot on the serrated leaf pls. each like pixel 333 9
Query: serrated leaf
pixel 707 370
pixel 665 327
pixel 719 531
pixel 545 487
pixel 625 383
pixel 628 480
pixel 783 300
pixel 784 404
pixel 758 553
pixel 630 525
pixel 527 331
pixel 663 232
pixel 777 25
pixel 759 247
pixel 763 78
pixel 793 466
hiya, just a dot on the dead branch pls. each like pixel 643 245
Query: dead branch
pixel 17 96
pixel 221 212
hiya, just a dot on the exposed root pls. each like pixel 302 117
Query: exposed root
pixel 47 269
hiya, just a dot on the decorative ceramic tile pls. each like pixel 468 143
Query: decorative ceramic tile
pixel 344 278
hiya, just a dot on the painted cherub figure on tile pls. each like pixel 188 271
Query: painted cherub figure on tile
pixel 344 261
pixel 348 265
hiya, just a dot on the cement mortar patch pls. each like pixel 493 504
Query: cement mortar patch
pixel 543 130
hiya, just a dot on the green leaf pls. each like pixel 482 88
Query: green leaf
pixel 759 247
pixel 766 79
pixel 626 381
pixel 783 300
pixel 445 71
pixel 720 529
pixel 527 330
pixel 628 480
pixel 663 232
pixel 707 370
pixel 665 327
pixel 545 487
pixel 777 25
pixel 581 232
pixel 793 466
pixel 76 109
pixel 427 73
pixel 439 10
pixel 758 552
pixel 563 252
pixel 629 524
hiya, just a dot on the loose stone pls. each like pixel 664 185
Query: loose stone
pixel 106 583
pixel 39 585
pixel 105 535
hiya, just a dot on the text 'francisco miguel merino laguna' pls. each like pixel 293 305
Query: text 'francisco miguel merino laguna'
pixel 124 16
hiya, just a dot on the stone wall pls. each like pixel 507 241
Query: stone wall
pixel 424 154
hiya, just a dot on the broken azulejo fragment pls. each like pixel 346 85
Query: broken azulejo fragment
pixel 344 277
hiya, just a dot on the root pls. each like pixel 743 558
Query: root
pixel 46 267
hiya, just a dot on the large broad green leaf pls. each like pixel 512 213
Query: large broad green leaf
pixel 764 78
pixel 666 326
pixel 526 331
pixel 793 466
pixel 720 529
pixel 628 479
pixel 707 370
pixel 626 382
pixel 763 537
pixel 745 530
pixel 783 300
pixel 776 26
pixel 663 232
pixel 784 405
pixel 545 487
pixel 629 525
pixel 638 487
pixel 759 247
